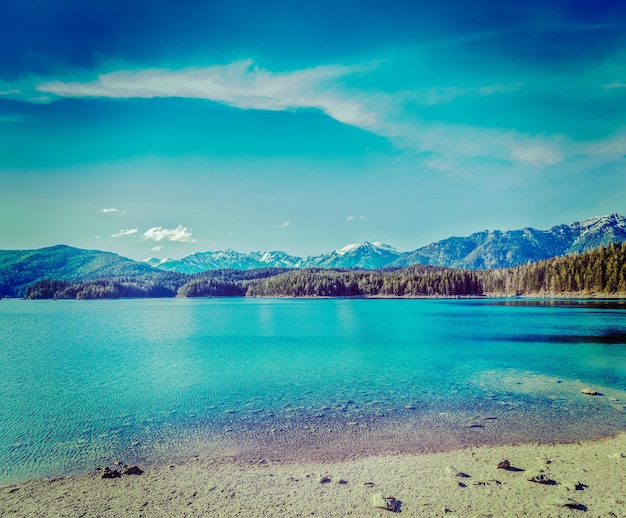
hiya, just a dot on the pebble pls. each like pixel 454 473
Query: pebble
pixel 572 485
pixel 132 470
pixel 323 479
pixel 385 502
pixel 537 476
pixel 562 501
pixel 505 464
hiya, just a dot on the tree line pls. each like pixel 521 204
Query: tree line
pixel 595 273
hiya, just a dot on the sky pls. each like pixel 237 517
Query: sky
pixel 161 128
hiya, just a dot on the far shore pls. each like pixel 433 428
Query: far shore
pixel 559 480
pixel 499 296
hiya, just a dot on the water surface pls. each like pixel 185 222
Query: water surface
pixel 83 383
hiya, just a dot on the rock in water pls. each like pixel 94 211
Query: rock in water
pixel 589 392
pixel 384 502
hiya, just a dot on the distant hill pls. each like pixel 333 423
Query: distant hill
pixel 479 251
pixel 19 268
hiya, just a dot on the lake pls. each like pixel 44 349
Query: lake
pixel 83 383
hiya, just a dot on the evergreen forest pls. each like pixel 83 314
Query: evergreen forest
pixel 596 273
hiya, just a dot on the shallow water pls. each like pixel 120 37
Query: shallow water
pixel 83 383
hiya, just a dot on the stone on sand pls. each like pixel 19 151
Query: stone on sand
pixel 561 501
pixel 537 476
pixel 385 502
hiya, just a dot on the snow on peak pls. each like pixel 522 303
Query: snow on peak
pixel 384 246
pixel 609 219
pixel 351 248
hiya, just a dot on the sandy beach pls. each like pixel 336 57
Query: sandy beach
pixel 581 479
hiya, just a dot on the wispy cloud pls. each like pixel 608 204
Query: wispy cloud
pixel 157 248
pixel 446 94
pixel 247 86
pixel 13 118
pixel 112 211
pixel 241 84
pixel 284 224
pixel 126 232
pixel 614 84
pixel 180 233
pixel 350 218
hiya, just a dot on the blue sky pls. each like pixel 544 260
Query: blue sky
pixel 157 129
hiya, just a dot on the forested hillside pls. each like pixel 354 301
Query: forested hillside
pixel 600 272
pixel 20 268
pixel 597 272
pixel 594 273
pixel 163 284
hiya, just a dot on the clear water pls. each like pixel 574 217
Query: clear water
pixel 83 383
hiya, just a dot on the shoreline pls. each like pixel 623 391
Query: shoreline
pixel 569 477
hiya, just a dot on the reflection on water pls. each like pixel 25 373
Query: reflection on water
pixel 85 382
pixel 609 338
pixel 583 304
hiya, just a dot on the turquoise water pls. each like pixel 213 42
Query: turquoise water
pixel 83 383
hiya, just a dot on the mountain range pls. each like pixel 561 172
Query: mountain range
pixel 479 251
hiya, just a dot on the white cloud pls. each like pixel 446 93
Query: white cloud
pixel 13 118
pixel 350 218
pixel 363 217
pixel 112 211
pixel 180 234
pixel 244 85
pixel 240 84
pixel 284 224
pixel 446 94
pixel 614 84
pixel 126 232
pixel 157 248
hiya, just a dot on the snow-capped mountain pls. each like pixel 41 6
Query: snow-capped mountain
pixel 481 250
pixel 366 255
pixel 203 261
pixel 276 259
pixel 504 249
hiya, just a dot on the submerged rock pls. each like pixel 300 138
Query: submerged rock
pixel 385 502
